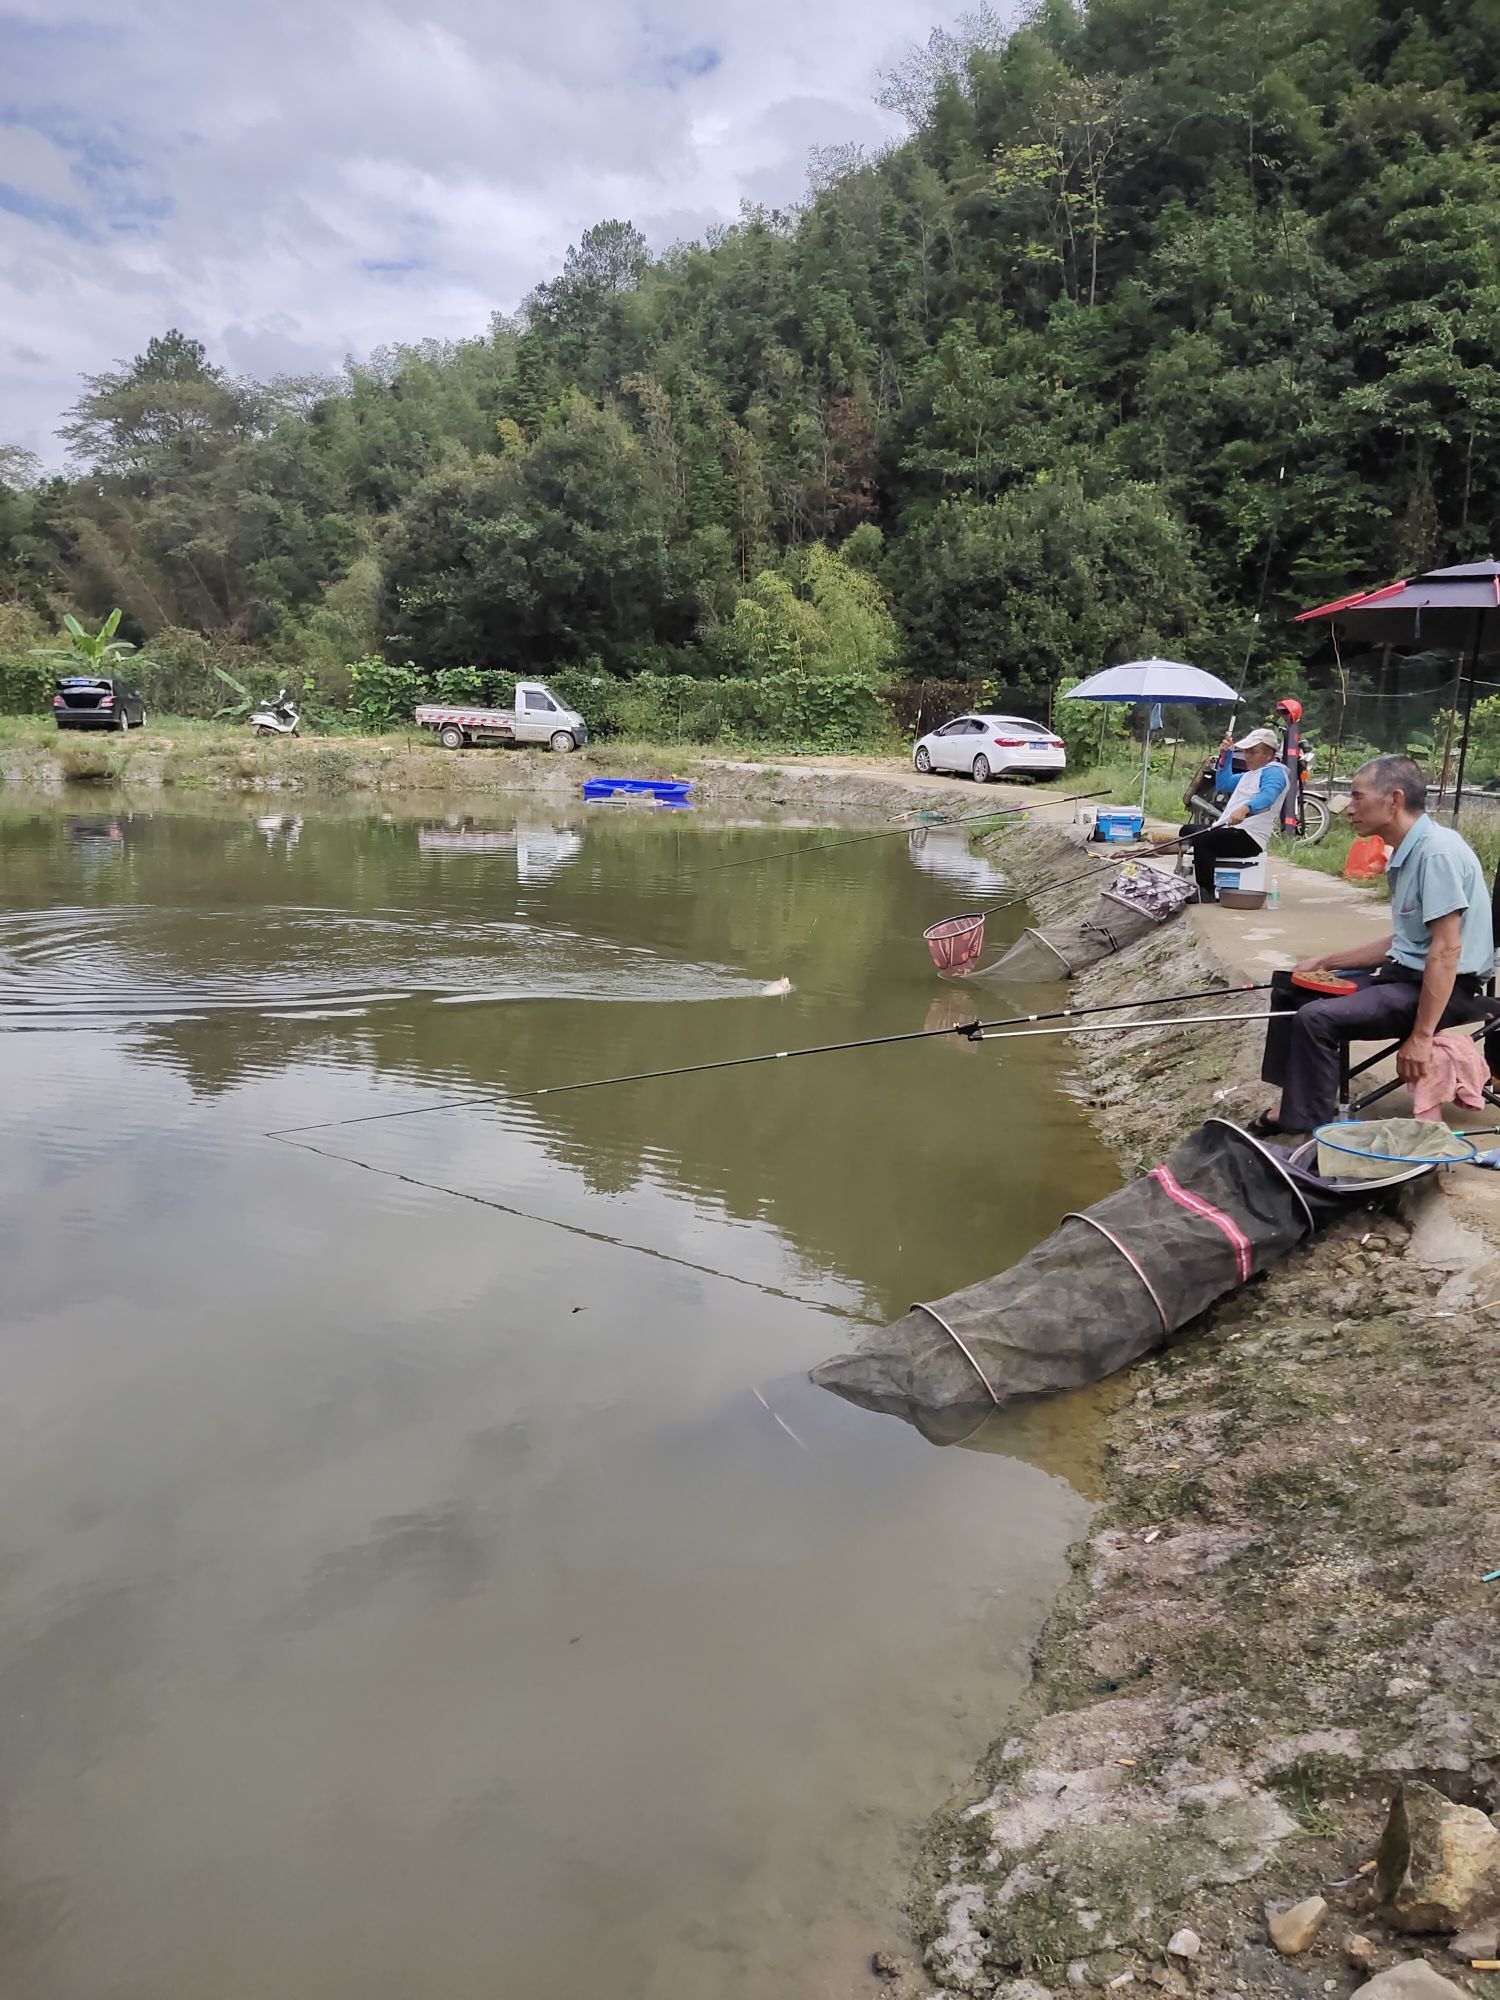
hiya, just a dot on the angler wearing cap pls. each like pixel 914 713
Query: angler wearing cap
pixel 1244 828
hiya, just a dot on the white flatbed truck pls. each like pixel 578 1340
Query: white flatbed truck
pixel 538 717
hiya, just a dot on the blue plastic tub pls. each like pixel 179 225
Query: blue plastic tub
pixel 671 791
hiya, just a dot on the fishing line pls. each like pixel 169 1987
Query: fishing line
pixel 1274 530
pixel 570 1228
pixel 886 832
pixel 973 1031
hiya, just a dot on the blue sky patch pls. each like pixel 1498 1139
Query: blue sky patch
pixel 31 208
pixel 688 63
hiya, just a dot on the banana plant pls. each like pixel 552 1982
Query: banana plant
pixel 235 711
pixel 95 653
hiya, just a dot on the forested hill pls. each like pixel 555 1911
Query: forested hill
pixel 1166 308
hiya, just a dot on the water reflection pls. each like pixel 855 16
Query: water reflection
pixel 944 851
pixel 406 1595
pixel 360 950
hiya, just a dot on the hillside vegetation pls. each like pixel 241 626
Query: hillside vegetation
pixel 1161 316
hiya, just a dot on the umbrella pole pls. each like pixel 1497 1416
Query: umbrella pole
pixel 1146 762
pixel 1463 743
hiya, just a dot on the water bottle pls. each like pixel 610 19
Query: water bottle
pixel 1273 900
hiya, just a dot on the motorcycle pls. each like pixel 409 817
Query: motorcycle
pixel 1205 801
pixel 276 718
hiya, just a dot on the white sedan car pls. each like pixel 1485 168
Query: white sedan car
pixel 982 746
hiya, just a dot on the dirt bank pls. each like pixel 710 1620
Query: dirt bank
pixel 1278 1610
pixel 197 756
pixel 34 757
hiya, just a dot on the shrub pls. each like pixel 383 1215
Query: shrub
pixel 182 675
pixel 819 711
pixel 25 685
pixel 1092 738
pixel 384 693
pixel 459 684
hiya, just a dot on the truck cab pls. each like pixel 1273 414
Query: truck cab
pixel 542 718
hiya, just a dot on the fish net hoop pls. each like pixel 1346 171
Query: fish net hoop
pixel 956 942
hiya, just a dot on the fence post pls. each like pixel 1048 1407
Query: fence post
pixel 1448 739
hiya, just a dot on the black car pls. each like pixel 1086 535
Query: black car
pixel 89 701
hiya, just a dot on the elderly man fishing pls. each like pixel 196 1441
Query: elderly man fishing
pixel 1248 820
pixel 1422 976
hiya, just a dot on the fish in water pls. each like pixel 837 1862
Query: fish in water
pixel 777 986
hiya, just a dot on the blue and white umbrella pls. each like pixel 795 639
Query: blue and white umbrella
pixel 1154 681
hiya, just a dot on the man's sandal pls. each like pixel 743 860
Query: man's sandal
pixel 1266 1125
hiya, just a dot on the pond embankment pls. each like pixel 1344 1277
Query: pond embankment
pixel 219 759
pixel 1278 1612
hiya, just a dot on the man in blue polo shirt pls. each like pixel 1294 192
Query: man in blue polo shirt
pixel 1424 975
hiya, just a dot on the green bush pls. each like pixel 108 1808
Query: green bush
pixel 384 693
pixel 1080 723
pixel 25 685
pixel 459 684
pixel 818 711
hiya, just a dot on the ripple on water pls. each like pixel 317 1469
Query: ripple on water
pixel 85 968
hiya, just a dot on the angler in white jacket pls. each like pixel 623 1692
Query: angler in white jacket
pixel 1244 828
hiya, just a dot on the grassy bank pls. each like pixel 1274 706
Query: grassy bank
pixel 176 752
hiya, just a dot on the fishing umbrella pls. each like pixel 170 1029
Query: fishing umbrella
pixel 1450 609
pixel 1153 681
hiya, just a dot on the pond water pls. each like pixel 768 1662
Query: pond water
pixel 425 1569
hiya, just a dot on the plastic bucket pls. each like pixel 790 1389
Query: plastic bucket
pixel 1378 1151
pixel 955 943
pixel 1240 875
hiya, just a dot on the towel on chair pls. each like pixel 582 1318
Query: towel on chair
pixel 1457 1074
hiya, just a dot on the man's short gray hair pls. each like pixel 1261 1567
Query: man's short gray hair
pixel 1397 774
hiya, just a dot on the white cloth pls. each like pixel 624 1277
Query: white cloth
pixel 1260 825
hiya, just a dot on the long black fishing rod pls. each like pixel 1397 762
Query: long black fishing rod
pixel 885 833
pixel 973 1031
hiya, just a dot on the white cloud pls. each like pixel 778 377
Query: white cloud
pixel 306 179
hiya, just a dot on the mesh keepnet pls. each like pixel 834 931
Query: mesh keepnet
pixel 1135 903
pixel 1060 950
pixel 1105 1288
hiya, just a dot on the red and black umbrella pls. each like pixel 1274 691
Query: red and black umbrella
pixel 1450 610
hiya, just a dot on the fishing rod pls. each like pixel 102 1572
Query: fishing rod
pixel 973 1031
pixel 885 833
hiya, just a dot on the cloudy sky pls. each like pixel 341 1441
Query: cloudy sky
pixel 299 180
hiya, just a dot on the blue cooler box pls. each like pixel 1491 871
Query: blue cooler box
pixel 1119 824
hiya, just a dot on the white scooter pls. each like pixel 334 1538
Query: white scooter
pixel 276 718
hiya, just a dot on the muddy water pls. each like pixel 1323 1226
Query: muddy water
pixel 423 1567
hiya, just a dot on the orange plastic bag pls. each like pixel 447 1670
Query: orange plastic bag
pixel 1367 859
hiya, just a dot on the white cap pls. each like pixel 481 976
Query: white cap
pixel 1259 738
